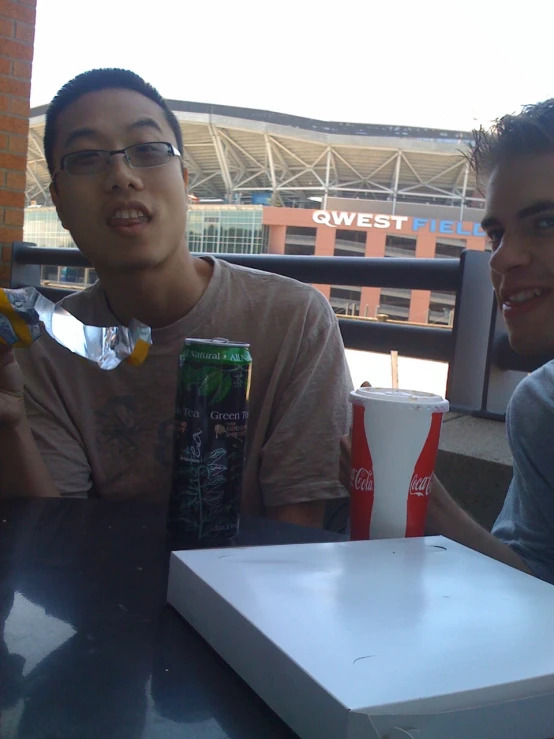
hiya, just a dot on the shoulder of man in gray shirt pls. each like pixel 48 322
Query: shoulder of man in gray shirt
pixel 526 522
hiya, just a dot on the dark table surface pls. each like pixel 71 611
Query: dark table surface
pixel 89 648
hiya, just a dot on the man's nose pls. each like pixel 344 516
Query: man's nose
pixel 121 175
pixel 512 252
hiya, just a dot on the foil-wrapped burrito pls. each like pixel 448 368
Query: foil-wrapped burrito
pixel 25 315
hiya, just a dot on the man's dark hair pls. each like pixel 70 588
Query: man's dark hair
pixel 528 132
pixel 92 81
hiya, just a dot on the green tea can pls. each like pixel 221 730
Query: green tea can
pixel 211 418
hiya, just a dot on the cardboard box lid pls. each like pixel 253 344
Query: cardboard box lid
pixel 408 627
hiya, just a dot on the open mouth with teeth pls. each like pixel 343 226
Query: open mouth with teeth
pixel 524 300
pixel 128 219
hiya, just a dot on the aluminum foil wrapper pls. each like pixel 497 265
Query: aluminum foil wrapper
pixel 25 315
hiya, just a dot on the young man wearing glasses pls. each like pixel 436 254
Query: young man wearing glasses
pixel 119 185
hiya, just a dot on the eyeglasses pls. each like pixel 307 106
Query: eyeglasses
pixel 138 156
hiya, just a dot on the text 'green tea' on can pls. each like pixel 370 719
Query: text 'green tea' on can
pixel 211 418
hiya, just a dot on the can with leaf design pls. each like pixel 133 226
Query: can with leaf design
pixel 211 417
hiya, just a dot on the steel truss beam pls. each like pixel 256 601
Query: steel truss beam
pixel 295 168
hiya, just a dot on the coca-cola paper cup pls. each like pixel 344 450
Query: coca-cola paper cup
pixel 395 439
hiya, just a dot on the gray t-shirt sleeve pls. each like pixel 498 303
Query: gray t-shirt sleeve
pixel 300 459
pixel 526 522
pixel 54 431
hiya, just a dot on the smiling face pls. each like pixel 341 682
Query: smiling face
pixel 519 222
pixel 123 218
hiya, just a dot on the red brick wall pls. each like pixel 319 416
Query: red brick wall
pixel 17 31
pixel 426 247
pixel 325 247
pixel 371 296
pixel 277 236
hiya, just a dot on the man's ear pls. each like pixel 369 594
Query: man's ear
pixel 186 177
pixel 56 200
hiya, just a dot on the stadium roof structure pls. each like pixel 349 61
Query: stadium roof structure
pixel 232 154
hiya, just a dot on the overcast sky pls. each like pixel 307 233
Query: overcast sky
pixel 427 63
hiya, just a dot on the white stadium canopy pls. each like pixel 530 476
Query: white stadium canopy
pixel 237 154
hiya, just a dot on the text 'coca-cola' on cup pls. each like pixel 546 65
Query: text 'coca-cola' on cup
pixel 395 439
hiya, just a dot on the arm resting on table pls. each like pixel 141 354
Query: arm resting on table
pixel 22 470
pixel 300 458
pixel 309 513
pixel 445 517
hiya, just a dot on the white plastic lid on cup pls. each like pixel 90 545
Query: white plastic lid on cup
pixel 408 398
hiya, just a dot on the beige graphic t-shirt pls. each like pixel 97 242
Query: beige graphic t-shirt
pixel 110 433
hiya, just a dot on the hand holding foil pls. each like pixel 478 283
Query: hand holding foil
pixel 25 315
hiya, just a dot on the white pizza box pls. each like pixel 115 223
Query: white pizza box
pixel 379 639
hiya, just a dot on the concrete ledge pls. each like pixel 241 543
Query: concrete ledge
pixel 475 464
pixel 475 437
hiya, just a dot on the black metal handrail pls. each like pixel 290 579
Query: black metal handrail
pixel 477 347
pixel 421 274
pixel 412 341
pixel 410 274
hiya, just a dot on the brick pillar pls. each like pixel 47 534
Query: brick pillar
pixel 371 296
pixel 277 239
pixel 325 247
pixel 426 247
pixel 17 31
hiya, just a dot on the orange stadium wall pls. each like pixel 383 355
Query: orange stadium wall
pixel 377 226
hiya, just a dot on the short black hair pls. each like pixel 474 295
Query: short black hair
pixel 513 135
pixel 92 81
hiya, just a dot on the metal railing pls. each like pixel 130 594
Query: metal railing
pixel 483 370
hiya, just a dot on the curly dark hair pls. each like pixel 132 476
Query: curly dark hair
pixel 92 81
pixel 528 132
